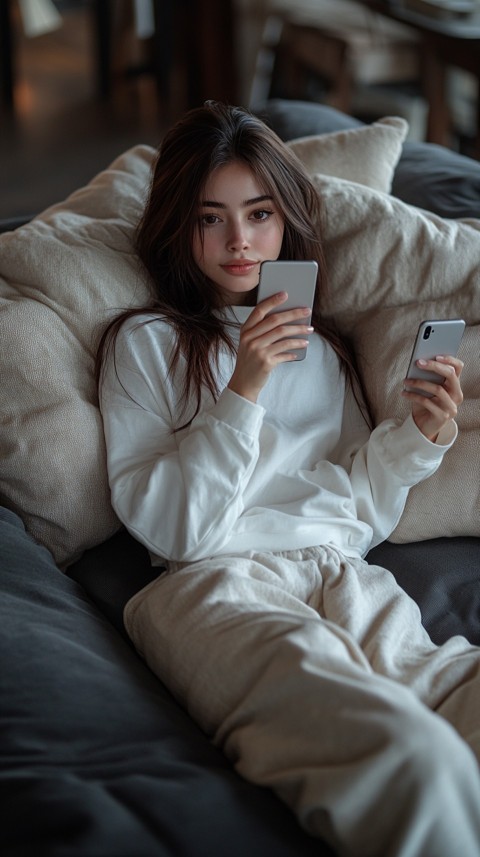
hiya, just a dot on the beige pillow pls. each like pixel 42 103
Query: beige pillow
pixel 64 274
pixel 60 277
pixel 367 155
pixel 391 266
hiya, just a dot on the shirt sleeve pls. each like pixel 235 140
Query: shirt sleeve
pixel 391 460
pixel 179 493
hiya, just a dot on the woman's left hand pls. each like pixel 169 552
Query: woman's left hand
pixel 432 414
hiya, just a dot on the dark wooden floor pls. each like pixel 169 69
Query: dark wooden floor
pixel 61 133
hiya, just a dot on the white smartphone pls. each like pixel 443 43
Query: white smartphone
pixel 435 337
pixel 298 279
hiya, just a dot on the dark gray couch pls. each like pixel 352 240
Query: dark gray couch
pixel 97 760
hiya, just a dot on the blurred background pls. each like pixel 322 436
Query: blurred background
pixel 83 80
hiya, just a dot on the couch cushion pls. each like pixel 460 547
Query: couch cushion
pixel 293 119
pixel 438 179
pixel 441 575
pixel 61 277
pixel 367 155
pixel 391 266
pixel 97 760
pixel 64 274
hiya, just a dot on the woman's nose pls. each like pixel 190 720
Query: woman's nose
pixel 238 238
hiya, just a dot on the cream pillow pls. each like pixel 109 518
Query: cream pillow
pixel 391 266
pixel 367 155
pixel 61 276
pixel 65 273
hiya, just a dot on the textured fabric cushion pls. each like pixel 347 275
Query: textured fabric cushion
pixel 60 278
pixel 63 275
pixel 367 155
pixel 391 266
pixel 438 179
pixel 442 576
pixel 293 119
pixel 97 760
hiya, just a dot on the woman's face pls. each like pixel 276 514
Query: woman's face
pixel 238 228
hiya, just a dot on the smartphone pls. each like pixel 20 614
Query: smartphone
pixel 433 338
pixel 298 279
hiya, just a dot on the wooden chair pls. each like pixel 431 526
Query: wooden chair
pixel 342 43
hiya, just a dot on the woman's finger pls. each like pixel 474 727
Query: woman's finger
pixel 448 360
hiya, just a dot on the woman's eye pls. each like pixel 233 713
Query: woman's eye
pixel 262 214
pixel 209 219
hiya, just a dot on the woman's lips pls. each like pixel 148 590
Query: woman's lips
pixel 240 268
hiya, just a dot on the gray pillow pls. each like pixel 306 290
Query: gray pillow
pixel 439 180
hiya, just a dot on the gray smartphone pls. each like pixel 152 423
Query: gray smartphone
pixel 434 337
pixel 298 279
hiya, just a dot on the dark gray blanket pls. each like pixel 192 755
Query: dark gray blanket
pixel 96 758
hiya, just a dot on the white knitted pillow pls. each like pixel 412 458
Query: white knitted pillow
pixel 367 155
pixel 61 276
pixel 391 266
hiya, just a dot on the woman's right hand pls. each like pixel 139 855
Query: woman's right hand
pixel 265 341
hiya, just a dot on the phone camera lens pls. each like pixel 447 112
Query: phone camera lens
pixel 427 332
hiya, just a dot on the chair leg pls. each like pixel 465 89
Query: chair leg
pixel 6 53
pixel 308 51
pixel 261 87
pixel 163 46
pixel 102 27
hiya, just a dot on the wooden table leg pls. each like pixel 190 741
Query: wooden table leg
pixel 476 143
pixel 102 26
pixel 6 53
pixel 434 80
pixel 163 46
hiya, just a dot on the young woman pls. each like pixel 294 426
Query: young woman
pixel 255 478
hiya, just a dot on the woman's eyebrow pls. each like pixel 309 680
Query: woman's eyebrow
pixel 210 203
pixel 256 199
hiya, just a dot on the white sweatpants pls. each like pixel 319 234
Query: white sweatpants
pixel 315 676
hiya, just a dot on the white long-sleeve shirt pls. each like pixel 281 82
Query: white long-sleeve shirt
pixel 296 469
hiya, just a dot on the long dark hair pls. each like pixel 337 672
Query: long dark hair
pixel 206 138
